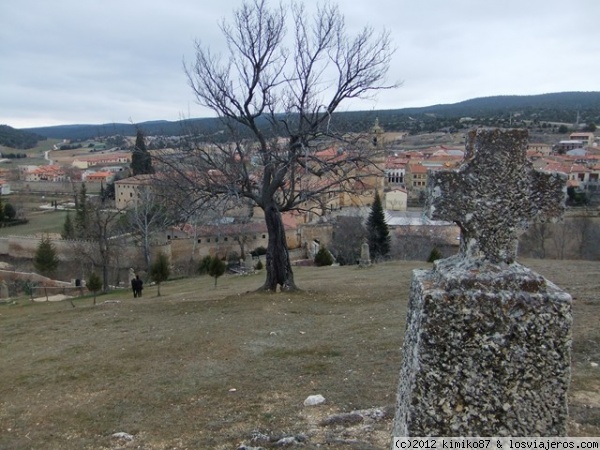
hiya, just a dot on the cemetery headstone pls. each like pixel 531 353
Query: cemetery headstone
pixel 365 256
pixel 487 343
pixel 3 289
pixel 249 263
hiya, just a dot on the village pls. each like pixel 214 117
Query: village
pixel 402 164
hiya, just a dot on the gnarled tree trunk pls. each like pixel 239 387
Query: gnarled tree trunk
pixel 279 269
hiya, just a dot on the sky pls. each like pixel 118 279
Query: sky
pixel 122 61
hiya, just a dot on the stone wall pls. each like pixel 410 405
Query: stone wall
pixel 48 187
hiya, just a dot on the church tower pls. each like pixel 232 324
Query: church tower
pixel 377 137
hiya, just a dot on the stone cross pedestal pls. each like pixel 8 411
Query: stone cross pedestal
pixel 487 344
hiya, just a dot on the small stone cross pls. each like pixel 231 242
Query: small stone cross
pixel 495 193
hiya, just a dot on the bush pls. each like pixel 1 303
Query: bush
pixel 216 268
pixel 233 257
pixel 259 265
pixel 258 251
pixel 204 265
pixel 434 255
pixel 323 257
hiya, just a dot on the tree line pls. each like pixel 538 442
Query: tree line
pixel 13 138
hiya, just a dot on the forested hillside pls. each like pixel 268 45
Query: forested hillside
pixel 563 107
pixel 19 139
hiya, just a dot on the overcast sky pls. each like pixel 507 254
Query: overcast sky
pixel 104 61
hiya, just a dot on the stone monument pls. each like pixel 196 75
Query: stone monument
pixel 365 256
pixel 487 344
pixel 249 262
pixel 3 289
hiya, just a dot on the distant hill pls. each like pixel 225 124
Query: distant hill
pixel 555 107
pixel 19 139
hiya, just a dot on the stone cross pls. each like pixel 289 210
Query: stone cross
pixel 495 193
pixel 487 341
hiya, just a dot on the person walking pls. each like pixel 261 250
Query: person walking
pixel 134 286
pixel 139 286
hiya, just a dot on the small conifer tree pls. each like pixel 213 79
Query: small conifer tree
pixel 204 265
pixel 141 161
pixel 323 257
pixel 378 233
pixel 217 268
pixel 9 211
pixel 94 284
pixel 434 255
pixel 160 270
pixel 68 231
pixel 45 260
pixel 82 213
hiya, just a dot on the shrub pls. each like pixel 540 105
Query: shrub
pixel 434 255
pixel 216 268
pixel 259 265
pixel 258 251
pixel 323 257
pixel 233 257
pixel 204 265
pixel 94 284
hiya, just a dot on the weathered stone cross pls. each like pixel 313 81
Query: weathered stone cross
pixel 495 193
pixel 487 346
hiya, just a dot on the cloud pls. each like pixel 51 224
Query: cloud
pixel 98 61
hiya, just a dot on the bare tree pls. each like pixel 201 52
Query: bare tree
pixel 277 107
pixel 347 238
pixel 147 216
pixel 561 238
pixel 533 241
pixel 585 233
pixel 102 241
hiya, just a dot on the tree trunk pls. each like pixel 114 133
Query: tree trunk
pixel 279 269
pixel 105 276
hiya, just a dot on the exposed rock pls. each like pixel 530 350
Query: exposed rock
pixel 344 419
pixel 313 400
pixel 122 435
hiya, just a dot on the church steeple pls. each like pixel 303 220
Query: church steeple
pixel 377 139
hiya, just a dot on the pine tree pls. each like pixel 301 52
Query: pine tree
pixel 378 232
pixel 9 211
pixel 217 268
pixel 45 260
pixel 81 213
pixel 141 161
pixel 68 231
pixel 94 284
pixel 160 271
pixel 323 257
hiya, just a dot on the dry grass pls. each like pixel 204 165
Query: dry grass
pixel 162 368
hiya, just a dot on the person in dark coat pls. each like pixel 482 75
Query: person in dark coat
pixel 139 286
pixel 134 286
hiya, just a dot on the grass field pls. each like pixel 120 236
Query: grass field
pixel 164 369
pixel 39 222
